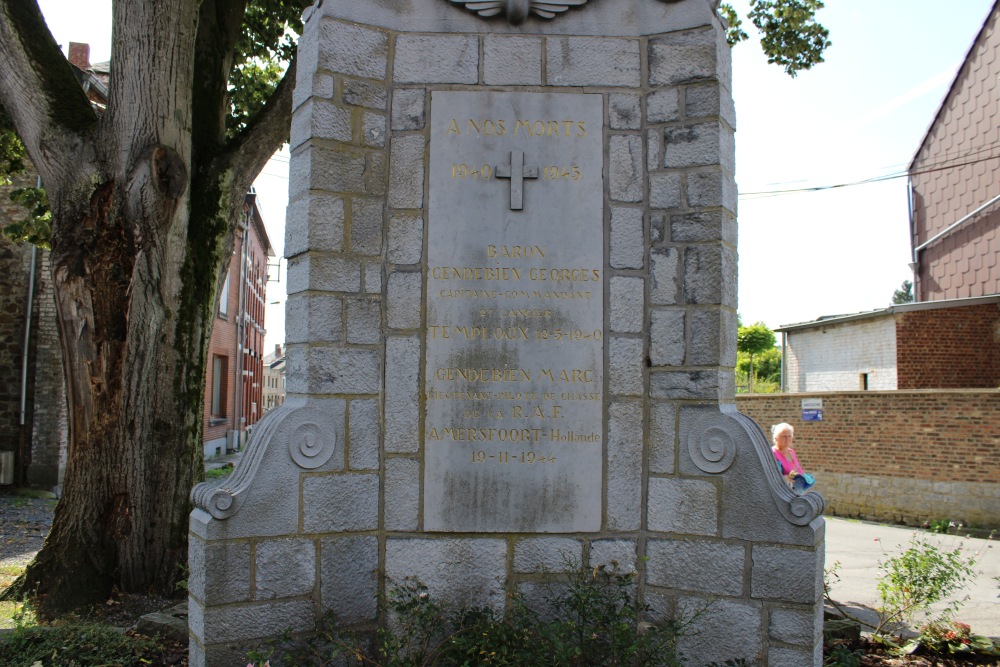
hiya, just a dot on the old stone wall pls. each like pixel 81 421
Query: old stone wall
pixel 907 456
pixel 330 502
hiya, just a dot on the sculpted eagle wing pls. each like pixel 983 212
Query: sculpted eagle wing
pixel 550 9
pixel 483 8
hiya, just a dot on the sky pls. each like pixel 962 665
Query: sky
pixel 861 114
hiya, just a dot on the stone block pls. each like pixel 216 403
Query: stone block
pixel 792 575
pixel 406 172
pixel 686 57
pixel 373 129
pixel 625 366
pixel 364 320
pixel 682 506
pixel 365 94
pixel 665 190
pixel 625 156
pixel 313 318
pixel 543 598
pixel 406 239
pixel 403 295
pixel 592 61
pixel 219 625
pixel 219 571
pixel 349 48
pixel 374 176
pixel 663 106
pixel 402 411
pixel 704 566
pixel 366 226
pixel 695 145
pixel 323 273
pixel 408 109
pixel 724 630
pixel 654 150
pixel 627 238
pixel 455 570
pixel 624 476
pixel 710 189
pixel 436 59
pixel 666 337
pixel 319 119
pixel 285 568
pixel 664 264
pixel 627 304
pixel 781 656
pixel 340 503
pixel 796 626
pixel 349 585
pixel 402 494
pixel 707 384
pixel 363 430
pixel 624 111
pixel 512 61
pixel 710 275
pixel 314 222
pixel 610 553
pixel 713 338
pixel 547 554
pixel 330 370
pixel 702 226
pixel 710 99
pixel 324 168
pixel 373 277
pixel 662 437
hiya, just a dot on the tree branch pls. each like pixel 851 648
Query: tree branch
pixel 49 110
pixel 249 151
pixel 219 28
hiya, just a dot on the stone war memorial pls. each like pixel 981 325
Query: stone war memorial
pixel 511 332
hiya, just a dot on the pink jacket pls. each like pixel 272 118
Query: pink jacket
pixel 788 464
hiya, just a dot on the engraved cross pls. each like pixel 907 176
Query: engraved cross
pixel 516 172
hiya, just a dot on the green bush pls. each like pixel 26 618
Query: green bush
pixel 597 622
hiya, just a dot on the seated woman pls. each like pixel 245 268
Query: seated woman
pixel 788 462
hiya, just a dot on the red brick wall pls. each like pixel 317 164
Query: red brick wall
pixel 223 343
pixel 940 436
pixel 949 348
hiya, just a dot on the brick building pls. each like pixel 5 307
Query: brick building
pixel 234 378
pixel 33 410
pixel 930 345
pixel 955 182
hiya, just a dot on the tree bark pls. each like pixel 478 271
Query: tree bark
pixel 142 217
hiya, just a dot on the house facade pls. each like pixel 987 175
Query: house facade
pixel 955 182
pixel 274 379
pixel 234 376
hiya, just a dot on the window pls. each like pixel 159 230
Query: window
pixel 220 371
pixel 864 381
pixel 224 298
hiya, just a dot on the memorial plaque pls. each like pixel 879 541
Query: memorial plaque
pixel 513 385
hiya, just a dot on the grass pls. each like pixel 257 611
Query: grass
pixel 219 473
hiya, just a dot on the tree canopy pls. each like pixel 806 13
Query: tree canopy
pixel 753 340
pixel 790 35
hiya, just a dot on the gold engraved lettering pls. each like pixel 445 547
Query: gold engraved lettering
pixel 483 374
pixel 453 128
pixel 515 251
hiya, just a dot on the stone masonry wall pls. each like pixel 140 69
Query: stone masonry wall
pixel 907 456
pixel 325 510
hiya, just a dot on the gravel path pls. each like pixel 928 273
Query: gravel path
pixel 24 523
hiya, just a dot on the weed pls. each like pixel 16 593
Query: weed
pixel 842 656
pixel 950 638
pixel 219 473
pixel 73 645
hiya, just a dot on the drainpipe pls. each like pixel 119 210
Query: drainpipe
pixel 24 358
pixel 915 264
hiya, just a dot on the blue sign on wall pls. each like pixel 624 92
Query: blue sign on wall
pixel 812 415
